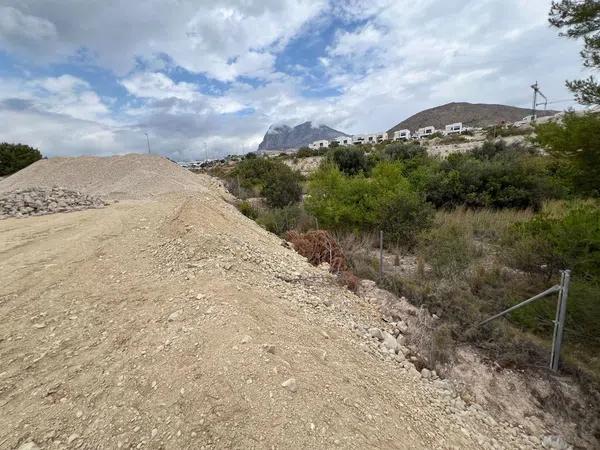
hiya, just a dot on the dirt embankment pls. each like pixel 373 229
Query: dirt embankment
pixel 169 320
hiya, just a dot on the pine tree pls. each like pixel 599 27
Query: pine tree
pixel 581 19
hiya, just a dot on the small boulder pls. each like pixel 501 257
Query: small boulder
pixel 290 385
pixel 389 342
pixel 376 333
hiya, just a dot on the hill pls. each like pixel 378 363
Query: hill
pixel 281 137
pixel 470 114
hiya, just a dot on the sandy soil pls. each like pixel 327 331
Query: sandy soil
pixel 178 323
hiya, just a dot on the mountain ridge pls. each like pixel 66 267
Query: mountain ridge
pixel 283 137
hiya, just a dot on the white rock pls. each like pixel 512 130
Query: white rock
pixel 389 342
pixel 246 339
pixel 174 316
pixel 290 385
pixel 376 333
pixel 29 446
pixel 555 443
pixel 426 373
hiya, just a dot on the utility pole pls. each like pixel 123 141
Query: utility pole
pixel 148 141
pixel 535 104
pixel 205 152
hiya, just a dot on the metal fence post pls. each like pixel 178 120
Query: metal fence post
pixel 559 322
pixel 381 254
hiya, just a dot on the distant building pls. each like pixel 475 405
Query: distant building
pixel 382 137
pixel 323 143
pixel 454 128
pixel 343 140
pixel 401 135
pixel 371 139
pixel 359 139
pixel 425 131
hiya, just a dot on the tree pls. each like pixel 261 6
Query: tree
pixel 581 18
pixel 350 160
pixel 282 187
pixel 577 142
pixel 399 151
pixel 14 157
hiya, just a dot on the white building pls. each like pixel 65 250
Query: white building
pixel 425 131
pixel 382 137
pixel 401 135
pixel 323 143
pixel 454 128
pixel 371 138
pixel 359 139
pixel 343 140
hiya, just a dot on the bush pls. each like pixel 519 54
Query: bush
pixel 14 157
pixel 318 246
pixel 350 160
pixel 282 188
pixel 402 151
pixel 248 210
pixel 494 176
pixel 575 142
pixel 385 201
pixel 281 220
pixel 273 179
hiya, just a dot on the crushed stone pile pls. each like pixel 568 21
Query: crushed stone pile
pixel 41 201
pixel 133 176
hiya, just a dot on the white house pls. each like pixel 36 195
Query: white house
pixel 425 131
pixel 323 143
pixel 371 138
pixel 359 139
pixel 454 128
pixel 382 137
pixel 401 134
pixel 343 140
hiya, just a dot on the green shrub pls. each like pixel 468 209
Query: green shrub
pixel 494 176
pixel 399 151
pixel 14 157
pixel 575 142
pixel 350 160
pixel 447 249
pixel 282 188
pixel 385 201
pixel 281 220
pixel 248 210
pixel 277 182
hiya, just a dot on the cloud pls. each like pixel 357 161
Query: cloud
pixel 159 86
pixel 222 39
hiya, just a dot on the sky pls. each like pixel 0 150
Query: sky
pixel 208 77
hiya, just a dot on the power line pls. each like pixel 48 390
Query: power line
pixel 535 104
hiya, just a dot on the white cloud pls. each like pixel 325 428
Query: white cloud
pixel 159 86
pixel 222 39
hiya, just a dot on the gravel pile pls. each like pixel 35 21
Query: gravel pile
pixel 133 176
pixel 41 201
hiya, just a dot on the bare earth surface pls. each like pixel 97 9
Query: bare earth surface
pixel 175 322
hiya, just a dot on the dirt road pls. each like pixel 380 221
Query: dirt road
pixel 178 323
